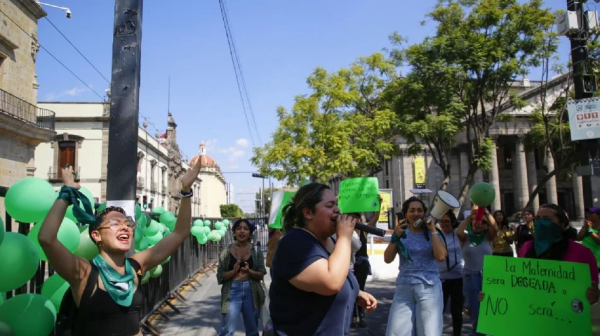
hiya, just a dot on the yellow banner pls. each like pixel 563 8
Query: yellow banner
pixel 386 204
pixel 420 172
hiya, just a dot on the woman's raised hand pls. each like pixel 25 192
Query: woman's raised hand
pixel 345 225
pixel 68 177
pixel 190 176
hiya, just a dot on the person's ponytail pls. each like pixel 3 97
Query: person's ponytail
pixel 289 217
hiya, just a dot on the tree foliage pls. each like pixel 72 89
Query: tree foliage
pixel 231 211
pixel 342 128
pixel 479 49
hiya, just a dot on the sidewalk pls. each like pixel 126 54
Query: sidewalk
pixel 203 315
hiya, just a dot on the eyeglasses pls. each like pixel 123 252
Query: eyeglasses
pixel 115 225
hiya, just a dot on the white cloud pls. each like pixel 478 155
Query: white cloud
pixel 74 92
pixel 244 143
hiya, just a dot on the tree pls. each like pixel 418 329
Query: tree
pixel 341 129
pixel 267 193
pixel 231 211
pixel 481 47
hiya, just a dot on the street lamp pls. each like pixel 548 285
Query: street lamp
pixel 67 10
pixel 262 193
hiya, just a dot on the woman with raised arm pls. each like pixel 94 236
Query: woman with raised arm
pixel 106 289
pixel 313 291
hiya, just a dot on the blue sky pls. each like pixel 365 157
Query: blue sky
pixel 279 43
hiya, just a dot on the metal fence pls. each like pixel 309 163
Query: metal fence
pixel 261 235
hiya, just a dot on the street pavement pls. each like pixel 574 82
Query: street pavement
pixel 202 316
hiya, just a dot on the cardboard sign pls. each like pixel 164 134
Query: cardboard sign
pixel 359 195
pixel 280 199
pixel 534 297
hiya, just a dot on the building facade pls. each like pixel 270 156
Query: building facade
pixel 515 171
pixel 82 141
pixel 23 125
pixel 213 192
pixel 230 192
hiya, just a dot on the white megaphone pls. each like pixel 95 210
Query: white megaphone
pixel 444 201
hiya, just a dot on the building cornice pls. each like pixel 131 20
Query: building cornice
pixel 82 119
pixel 34 8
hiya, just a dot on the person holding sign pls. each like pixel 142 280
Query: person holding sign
pixel 477 238
pixel 106 290
pixel 313 291
pixel 553 240
pixel 418 300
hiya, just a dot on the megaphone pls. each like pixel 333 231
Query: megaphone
pixel 444 201
pixel 482 194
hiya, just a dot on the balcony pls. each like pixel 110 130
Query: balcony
pixel 153 186
pixel 55 174
pixel 140 182
pixel 26 112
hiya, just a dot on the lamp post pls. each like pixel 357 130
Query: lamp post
pixel 262 193
pixel 66 9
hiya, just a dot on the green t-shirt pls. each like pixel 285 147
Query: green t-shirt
pixel 589 242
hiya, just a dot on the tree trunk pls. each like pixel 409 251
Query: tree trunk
pixel 466 184
pixel 540 185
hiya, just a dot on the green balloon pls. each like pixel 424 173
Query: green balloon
pixel 28 315
pixel 168 218
pixel 138 211
pixel 207 223
pixel 166 260
pixel 156 271
pixel 29 199
pixel 223 232
pixel 158 210
pixel 482 194
pixel 202 239
pixel 146 277
pixel 143 244
pixel 1 231
pixel 87 249
pixel 19 260
pixel 54 288
pixel 138 234
pixel 88 194
pixel 214 236
pixel 218 225
pixel 6 330
pixel 226 222
pixel 162 228
pixel 142 221
pixel 101 207
pixel 68 235
pixel 197 230
pixel 155 239
pixel 151 229
pixel 198 222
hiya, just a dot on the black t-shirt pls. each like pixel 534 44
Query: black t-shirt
pixel 296 312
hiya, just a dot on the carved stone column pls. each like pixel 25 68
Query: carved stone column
pixel 494 176
pixel 578 195
pixel 551 194
pixel 520 172
pixel 532 179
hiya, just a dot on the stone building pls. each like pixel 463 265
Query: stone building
pixel 23 125
pixel 515 172
pixel 214 186
pixel 82 141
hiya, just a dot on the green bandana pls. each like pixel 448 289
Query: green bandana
pixel 119 287
pixel 401 248
pixel 475 238
pixel 74 196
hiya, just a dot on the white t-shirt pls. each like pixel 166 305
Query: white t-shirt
pixel 354 247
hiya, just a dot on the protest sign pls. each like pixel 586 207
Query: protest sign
pixel 280 199
pixel 534 297
pixel 359 195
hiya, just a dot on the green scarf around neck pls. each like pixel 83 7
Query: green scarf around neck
pixel 120 287
pixel 475 238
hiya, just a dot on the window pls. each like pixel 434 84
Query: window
pixel 66 155
pixel 508 157
pixel 387 184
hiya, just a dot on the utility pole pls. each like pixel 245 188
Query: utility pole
pixel 585 87
pixel 124 105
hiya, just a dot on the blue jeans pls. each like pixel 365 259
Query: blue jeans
pixel 472 282
pixel 416 310
pixel 240 301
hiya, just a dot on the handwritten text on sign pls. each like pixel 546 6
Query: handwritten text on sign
pixel 359 195
pixel 534 297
